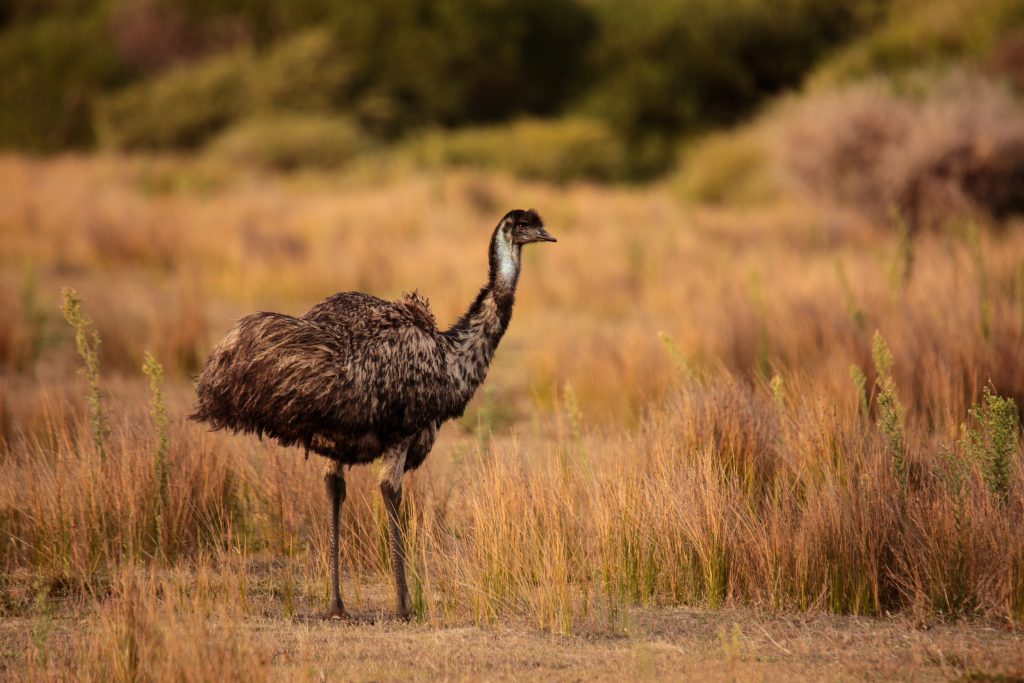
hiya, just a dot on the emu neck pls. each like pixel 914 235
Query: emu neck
pixel 475 337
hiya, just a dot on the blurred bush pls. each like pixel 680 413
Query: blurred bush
pixel 288 141
pixel 187 105
pixel 953 149
pixel 732 168
pixel 175 74
pixel 926 33
pixel 178 110
pixel 556 150
pixel 666 67
pixel 450 62
pixel 53 68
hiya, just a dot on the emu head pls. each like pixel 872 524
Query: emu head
pixel 515 229
pixel 524 227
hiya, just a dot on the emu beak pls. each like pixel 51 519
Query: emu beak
pixel 534 233
pixel 543 236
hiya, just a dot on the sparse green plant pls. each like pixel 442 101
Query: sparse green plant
pixel 1019 291
pixel 1016 597
pixel 757 299
pixel 485 417
pixel 42 626
pixel 87 341
pixel 778 392
pixel 973 236
pixel 890 411
pixel 903 264
pixel 992 440
pixel 955 469
pixel 158 410
pixel 860 382
pixel 288 592
pixel 849 301
pixel 882 357
pixel 35 322
pixel 680 363
pixel 573 412
pixel 731 641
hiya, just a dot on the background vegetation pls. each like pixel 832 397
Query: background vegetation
pixel 169 74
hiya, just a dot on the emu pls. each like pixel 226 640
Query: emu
pixel 357 379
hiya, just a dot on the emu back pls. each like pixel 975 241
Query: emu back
pixel 348 377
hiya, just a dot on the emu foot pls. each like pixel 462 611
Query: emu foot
pixel 337 611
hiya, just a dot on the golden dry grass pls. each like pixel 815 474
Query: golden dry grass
pixel 670 422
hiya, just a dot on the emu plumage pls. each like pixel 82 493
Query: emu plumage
pixel 357 378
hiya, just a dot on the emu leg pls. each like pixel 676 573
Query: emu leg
pixel 392 502
pixel 334 482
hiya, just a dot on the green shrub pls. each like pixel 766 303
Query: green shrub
pixel 422 62
pixel 289 141
pixel 179 109
pixel 263 20
pixel 557 150
pixel 186 106
pixel 306 72
pixel 924 33
pixel 53 69
pixel 666 67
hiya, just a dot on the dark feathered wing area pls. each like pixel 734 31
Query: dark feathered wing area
pixel 353 373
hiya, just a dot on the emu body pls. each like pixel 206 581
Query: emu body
pixel 357 379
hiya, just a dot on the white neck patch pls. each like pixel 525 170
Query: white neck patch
pixel 508 264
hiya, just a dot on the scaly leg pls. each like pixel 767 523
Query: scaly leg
pixel 334 482
pixel 392 503
pixel 391 473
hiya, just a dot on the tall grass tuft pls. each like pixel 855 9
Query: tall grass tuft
pixel 158 410
pixel 87 340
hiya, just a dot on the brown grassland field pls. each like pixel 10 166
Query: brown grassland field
pixel 670 472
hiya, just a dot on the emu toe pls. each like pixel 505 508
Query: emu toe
pixel 337 611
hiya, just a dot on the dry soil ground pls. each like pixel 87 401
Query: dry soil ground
pixel 657 644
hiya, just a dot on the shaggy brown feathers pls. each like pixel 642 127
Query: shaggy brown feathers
pixel 356 374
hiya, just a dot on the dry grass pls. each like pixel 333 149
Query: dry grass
pixel 603 477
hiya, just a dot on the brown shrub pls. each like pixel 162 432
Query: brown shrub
pixel 957 151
